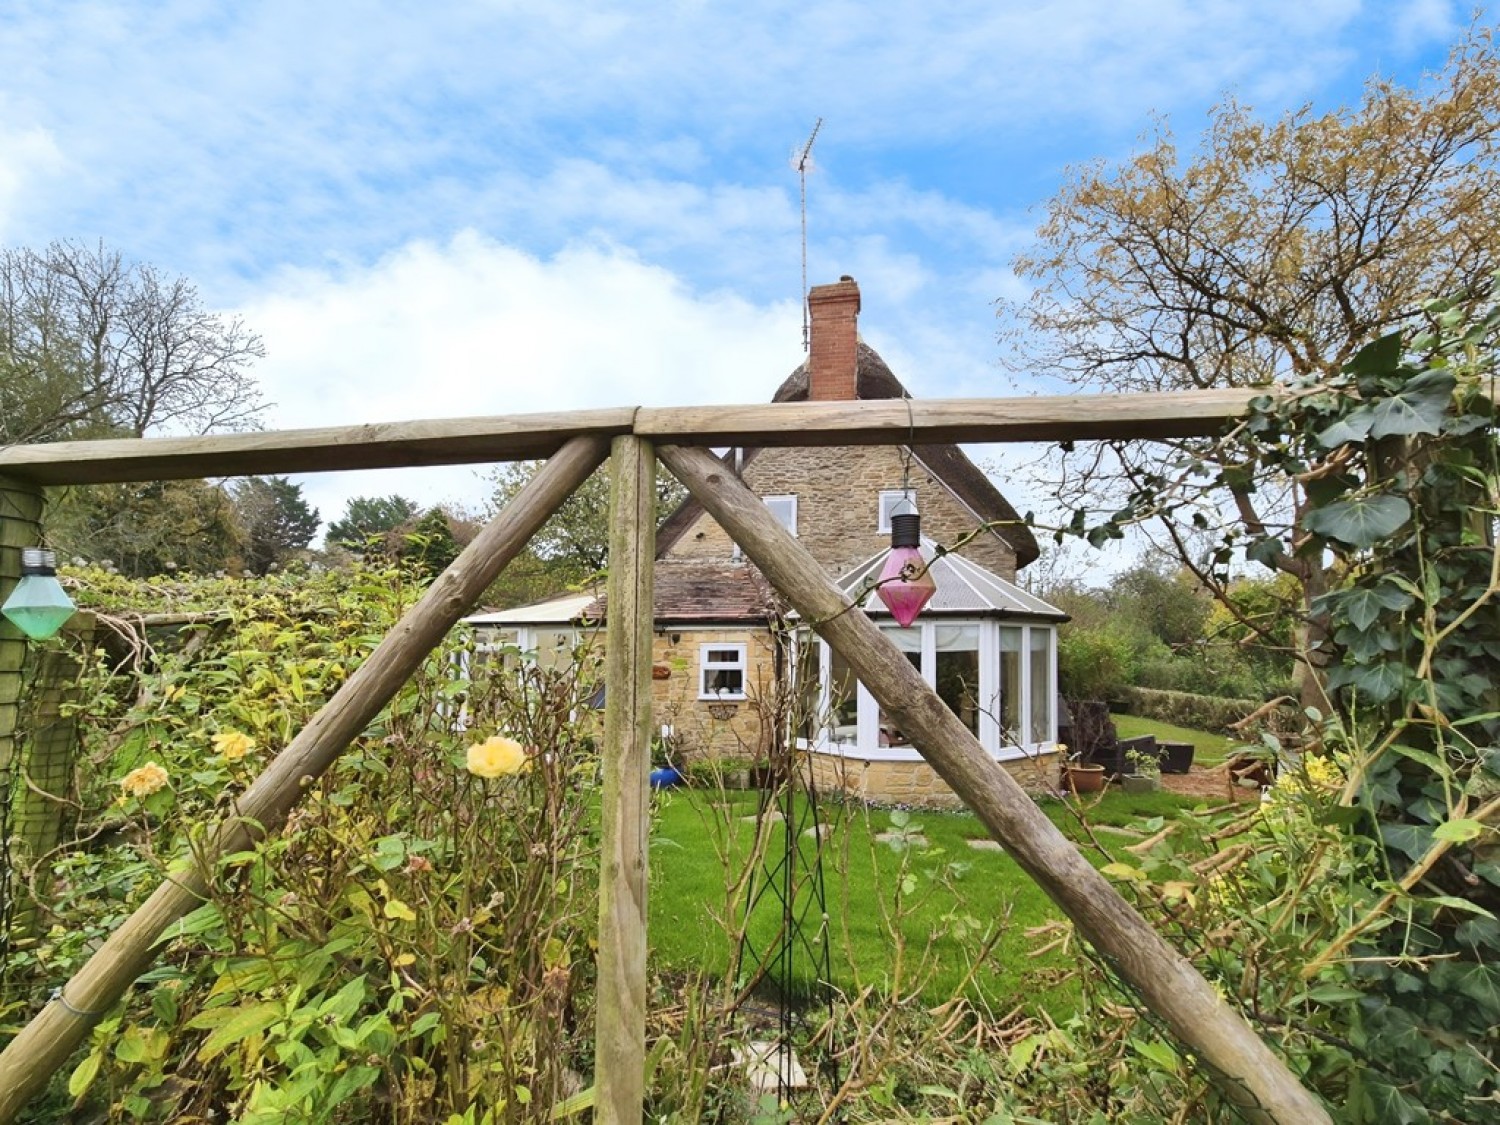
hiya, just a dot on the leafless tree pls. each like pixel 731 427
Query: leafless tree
pixel 92 346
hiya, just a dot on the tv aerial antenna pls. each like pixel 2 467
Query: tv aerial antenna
pixel 802 161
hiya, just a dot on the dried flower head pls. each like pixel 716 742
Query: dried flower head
pixel 144 780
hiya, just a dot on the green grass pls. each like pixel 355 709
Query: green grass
pixel 1209 749
pixel 950 888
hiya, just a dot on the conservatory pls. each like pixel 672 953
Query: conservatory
pixel 987 647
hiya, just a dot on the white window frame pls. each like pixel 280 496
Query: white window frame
pixel 888 499
pixel 740 664
pixel 790 500
pixel 867 715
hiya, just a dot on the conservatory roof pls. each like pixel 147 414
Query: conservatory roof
pixel 557 611
pixel 964 588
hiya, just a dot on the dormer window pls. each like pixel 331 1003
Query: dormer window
pixel 784 508
pixel 891 503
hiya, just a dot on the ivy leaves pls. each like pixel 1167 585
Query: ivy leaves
pixel 1359 522
pixel 1402 402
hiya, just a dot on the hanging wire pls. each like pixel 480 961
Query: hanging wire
pixel 911 437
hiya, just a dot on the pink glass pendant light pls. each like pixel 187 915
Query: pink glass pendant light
pixel 905 583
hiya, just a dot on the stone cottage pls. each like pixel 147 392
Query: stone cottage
pixel 732 671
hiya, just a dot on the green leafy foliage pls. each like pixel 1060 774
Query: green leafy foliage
pixel 275 520
pixel 368 520
pixel 1359 916
pixel 410 947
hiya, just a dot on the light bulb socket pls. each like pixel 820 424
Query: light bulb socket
pixel 906 530
pixel 38 561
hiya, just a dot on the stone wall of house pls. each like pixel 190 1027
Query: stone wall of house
pixel 838 508
pixel 916 783
pixel 731 729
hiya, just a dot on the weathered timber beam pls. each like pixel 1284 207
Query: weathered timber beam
pixel 47 1041
pixel 461 441
pixel 887 421
pixel 1245 1068
pixel 620 1013
pixel 385 445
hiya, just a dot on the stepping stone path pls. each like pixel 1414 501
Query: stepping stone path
pixel 766 1064
pixel 986 845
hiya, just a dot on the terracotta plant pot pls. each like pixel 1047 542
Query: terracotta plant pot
pixel 1080 778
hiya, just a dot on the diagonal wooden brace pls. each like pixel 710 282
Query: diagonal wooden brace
pixel 46 1042
pixel 1243 1066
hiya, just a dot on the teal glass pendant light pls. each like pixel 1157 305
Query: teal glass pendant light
pixel 38 606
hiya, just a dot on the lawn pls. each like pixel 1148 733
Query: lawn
pixel 1209 749
pixel 886 872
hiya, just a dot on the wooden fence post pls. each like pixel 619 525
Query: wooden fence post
pixel 1245 1069
pixel 20 526
pixel 620 1009
pixel 46 1042
pixel 44 808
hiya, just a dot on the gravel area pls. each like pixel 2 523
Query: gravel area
pixel 1209 784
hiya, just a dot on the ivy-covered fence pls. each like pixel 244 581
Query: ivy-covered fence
pixel 1357 918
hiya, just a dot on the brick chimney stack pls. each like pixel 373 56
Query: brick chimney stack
pixel 833 349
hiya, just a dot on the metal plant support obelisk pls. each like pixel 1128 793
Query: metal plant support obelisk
pixel 795 966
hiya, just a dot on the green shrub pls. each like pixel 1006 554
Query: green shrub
pixel 1094 663
pixel 1201 712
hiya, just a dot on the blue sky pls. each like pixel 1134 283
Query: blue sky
pixel 465 207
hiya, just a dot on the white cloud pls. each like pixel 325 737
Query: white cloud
pixel 475 327
pixel 255 135
pixel 29 158
pixel 621 168
pixel 1420 22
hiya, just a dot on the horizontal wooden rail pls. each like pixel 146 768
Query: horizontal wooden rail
pixel 461 441
pixel 924 421
pixel 328 449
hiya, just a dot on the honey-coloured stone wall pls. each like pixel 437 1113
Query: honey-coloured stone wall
pixel 838 508
pixel 727 729
pixel 916 783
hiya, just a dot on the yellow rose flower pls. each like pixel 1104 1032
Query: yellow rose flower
pixel 233 744
pixel 496 757
pixel 144 780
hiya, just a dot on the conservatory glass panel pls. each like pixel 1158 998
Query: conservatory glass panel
pixel 554 648
pixel 1010 686
pixel 809 693
pixel 958 672
pixel 843 699
pixel 909 641
pixel 1042 694
pixel 496 646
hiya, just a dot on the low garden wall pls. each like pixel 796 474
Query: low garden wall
pixel 916 784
